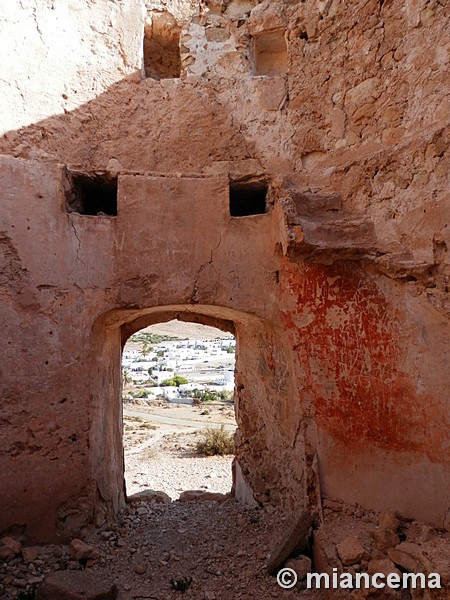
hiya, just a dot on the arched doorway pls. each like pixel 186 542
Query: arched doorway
pixel 266 411
pixel 178 409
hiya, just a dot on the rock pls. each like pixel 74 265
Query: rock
pixel 30 554
pixel 384 566
pixel 241 489
pixel 420 533
pixel 81 551
pixel 407 556
pixel 76 585
pixel 436 555
pixel 332 505
pixel 350 551
pixel 238 10
pixel 56 550
pixel 200 495
pixel 271 93
pixel 11 543
pixel 294 539
pixel 301 565
pixel 139 569
pixel 6 553
pixel 389 521
pixel 377 554
pixel 325 556
pixel 385 539
pixel 151 496
pixel 9 548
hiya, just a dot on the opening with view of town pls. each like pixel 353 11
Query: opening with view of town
pixel 178 410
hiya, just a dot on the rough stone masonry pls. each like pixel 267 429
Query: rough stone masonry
pixel 276 169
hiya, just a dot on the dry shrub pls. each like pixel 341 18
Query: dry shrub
pixel 149 453
pixel 215 441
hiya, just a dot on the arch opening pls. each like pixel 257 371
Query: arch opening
pixel 178 410
pixel 265 470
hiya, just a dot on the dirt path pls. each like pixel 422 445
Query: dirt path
pixel 165 419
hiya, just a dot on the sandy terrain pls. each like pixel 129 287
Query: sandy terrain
pixel 159 443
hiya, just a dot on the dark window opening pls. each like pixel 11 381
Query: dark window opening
pixel 91 194
pixel 248 198
pixel 162 56
pixel 270 54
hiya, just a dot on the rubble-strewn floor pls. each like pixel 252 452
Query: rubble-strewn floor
pixel 224 547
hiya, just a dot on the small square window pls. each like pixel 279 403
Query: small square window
pixel 270 55
pixel 248 198
pixel 90 194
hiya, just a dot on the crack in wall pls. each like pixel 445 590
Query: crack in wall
pixel 194 295
pixel 78 239
pixel 38 29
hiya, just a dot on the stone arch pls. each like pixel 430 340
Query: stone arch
pixel 259 428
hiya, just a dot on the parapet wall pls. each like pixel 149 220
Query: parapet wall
pixel 337 289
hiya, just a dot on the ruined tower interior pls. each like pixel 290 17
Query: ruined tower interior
pixel 279 170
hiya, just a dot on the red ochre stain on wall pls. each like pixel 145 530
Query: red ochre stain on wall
pixel 348 341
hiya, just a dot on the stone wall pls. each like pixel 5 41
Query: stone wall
pixel 338 294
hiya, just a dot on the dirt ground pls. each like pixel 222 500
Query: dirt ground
pixel 222 549
pixel 159 443
pixel 219 550
pixel 203 549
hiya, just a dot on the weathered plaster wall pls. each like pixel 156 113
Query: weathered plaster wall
pixel 46 282
pixel 371 364
pixel 339 296
pixel 362 109
pixel 53 60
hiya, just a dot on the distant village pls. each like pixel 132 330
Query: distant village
pixel 178 369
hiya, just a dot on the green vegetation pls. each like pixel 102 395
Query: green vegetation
pixel 151 338
pixel 215 441
pixel 208 396
pixel 175 381
pixel 126 376
pixel 146 349
pixel 139 394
